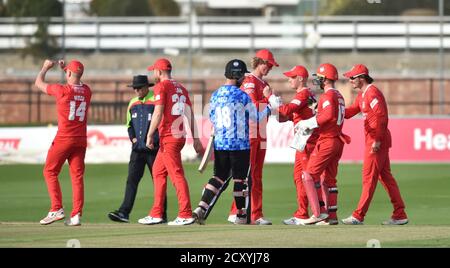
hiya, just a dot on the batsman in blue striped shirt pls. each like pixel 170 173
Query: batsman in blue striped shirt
pixel 230 112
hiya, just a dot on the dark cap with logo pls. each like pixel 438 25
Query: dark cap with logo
pixel 235 69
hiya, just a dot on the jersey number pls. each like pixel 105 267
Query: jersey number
pixel 341 114
pixel 80 111
pixel 178 106
pixel 223 117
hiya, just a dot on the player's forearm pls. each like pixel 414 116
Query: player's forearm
pixel 324 116
pixel 40 80
pixel 351 111
pixel 156 120
pixel 290 108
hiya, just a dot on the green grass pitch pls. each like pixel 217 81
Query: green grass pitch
pixel 24 201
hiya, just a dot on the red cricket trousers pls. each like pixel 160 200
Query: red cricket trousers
pixel 73 150
pixel 300 164
pixel 376 167
pixel 323 168
pixel 257 156
pixel 168 162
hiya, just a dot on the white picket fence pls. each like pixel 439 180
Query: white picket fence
pixel 236 33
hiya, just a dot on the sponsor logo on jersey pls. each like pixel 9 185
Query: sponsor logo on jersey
pixel 373 103
pixel 296 102
pixel 249 85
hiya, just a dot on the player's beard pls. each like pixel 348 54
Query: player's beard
pixel 157 80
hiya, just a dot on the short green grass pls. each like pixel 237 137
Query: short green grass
pixel 24 201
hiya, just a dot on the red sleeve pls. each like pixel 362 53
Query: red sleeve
pixel 282 118
pixel 378 105
pixel 160 94
pixel 56 90
pixel 353 109
pixel 295 106
pixel 325 111
pixel 249 87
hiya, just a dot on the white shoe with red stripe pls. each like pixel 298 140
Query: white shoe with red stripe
pixel 181 221
pixel 148 220
pixel 395 222
pixel 53 216
pixel 313 219
pixel 74 221
pixel 352 221
pixel 293 221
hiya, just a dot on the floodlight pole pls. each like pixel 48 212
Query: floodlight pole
pixel 441 59
pixel 63 36
pixel 190 47
pixel 316 48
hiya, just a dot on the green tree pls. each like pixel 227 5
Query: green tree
pixel 113 8
pixel 41 44
pixel 33 8
pixel 379 7
pixel 2 9
pixel 164 7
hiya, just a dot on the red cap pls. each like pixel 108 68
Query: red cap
pixel 75 67
pixel 161 64
pixel 297 70
pixel 328 71
pixel 266 55
pixel 357 70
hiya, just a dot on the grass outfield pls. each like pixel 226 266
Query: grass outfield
pixel 24 201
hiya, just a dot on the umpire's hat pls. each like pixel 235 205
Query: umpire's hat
pixel 140 81
pixel 235 69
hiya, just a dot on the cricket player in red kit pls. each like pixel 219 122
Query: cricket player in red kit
pixel 370 101
pixel 171 104
pixel 320 175
pixel 301 107
pixel 72 104
pixel 253 84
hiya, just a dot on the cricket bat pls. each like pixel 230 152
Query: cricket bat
pixel 207 155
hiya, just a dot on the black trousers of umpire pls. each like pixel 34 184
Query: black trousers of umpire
pixel 136 167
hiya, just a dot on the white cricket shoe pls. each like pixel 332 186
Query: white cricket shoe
pixel 232 218
pixel 293 221
pixel 262 221
pixel 148 220
pixel 74 221
pixel 199 215
pixel 328 222
pixel 181 221
pixel 240 220
pixel 313 219
pixel 395 222
pixel 53 216
pixel 352 221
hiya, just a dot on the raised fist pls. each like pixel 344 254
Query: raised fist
pixel 62 64
pixel 48 64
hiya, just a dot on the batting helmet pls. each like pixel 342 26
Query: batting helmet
pixel 328 71
pixel 235 69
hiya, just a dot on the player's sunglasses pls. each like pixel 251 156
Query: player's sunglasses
pixel 137 88
pixel 269 65
pixel 318 80
pixel 354 77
